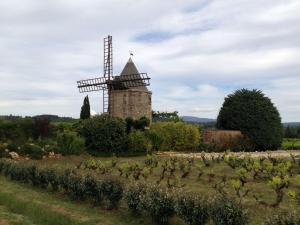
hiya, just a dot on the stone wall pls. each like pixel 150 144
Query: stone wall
pixel 134 103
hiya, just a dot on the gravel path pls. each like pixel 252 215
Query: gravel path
pixel 279 153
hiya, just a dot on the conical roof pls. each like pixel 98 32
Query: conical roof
pixel 129 68
pixel 131 72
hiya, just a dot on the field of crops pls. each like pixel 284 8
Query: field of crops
pixel 263 186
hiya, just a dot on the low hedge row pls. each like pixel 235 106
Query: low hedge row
pixel 77 186
pixel 161 204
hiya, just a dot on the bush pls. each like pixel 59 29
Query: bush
pixel 69 143
pixel 158 204
pixel 227 212
pixel 139 124
pixel 155 139
pixel 177 136
pixel 33 151
pixel 283 218
pixel 137 142
pixel 113 192
pixel 104 134
pixel 133 197
pixel 255 116
pixel 76 187
pixel 94 189
pixel 194 210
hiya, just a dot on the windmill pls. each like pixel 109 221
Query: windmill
pixel 111 86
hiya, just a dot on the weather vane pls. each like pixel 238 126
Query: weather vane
pixel 130 53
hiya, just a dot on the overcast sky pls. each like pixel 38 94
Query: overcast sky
pixel 196 52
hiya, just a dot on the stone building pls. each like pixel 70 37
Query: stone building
pixel 134 102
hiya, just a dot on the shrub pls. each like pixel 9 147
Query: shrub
pixel 226 211
pixel 94 189
pixel 104 134
pixel 283 218
pixel 113 191
pixel 76 187
pixel 177 136
pixel 139 124
pixel 133 197
pixel 155 138
pixel 158 204
pixel 255 116
pixel 137 142
pixel 69 143
pixel 194 210
pixel 33 151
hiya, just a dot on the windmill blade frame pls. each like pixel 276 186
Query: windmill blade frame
pixel 89 85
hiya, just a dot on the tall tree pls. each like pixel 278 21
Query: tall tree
pixel 85 109
pixel 251 112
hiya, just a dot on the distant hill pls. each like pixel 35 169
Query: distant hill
pixel 194 119
pixel 291 124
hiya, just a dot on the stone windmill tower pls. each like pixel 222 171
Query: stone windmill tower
pixel 125 95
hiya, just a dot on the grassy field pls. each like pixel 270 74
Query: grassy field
pixel 82 213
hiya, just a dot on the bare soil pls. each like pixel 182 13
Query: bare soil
pixel 278 153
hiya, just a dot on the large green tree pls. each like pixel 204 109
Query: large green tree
pixel 85 112
pixel 251 112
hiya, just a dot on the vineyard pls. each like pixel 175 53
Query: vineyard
pixel 171 189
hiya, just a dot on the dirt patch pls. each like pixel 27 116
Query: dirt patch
pixel 279 153
pixel 67 212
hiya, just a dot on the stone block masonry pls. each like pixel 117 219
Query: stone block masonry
pixel 134 103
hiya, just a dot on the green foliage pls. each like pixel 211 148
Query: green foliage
pixel 226 211
pixel 283 218
pixel 113 191
pixel 33 151
pixel 255 116
pixel 85 112
pixel 139 124
pixel 159 204
pixel 177 136
pixel 155 138
pixel 165 116
pixel 291 143
pixel 133 197
pixel 75 185
pixel 194 210
pixel 104 134
pixel 138 142
pixel 69 143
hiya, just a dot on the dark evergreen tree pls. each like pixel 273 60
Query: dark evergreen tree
pixel 85 109
pixel 251 112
